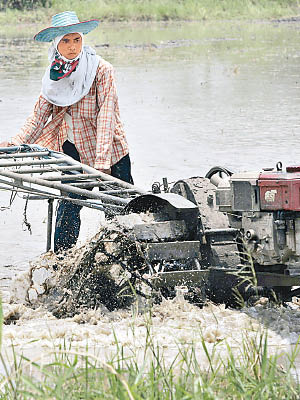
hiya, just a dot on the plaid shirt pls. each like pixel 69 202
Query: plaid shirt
pixel 98 132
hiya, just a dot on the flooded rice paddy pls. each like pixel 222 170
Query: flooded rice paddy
pixel 192 96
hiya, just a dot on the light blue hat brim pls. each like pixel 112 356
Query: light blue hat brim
pixel 48 34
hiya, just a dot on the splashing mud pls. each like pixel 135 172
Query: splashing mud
pixel 104 271
pixel 170 324
pixel 86 300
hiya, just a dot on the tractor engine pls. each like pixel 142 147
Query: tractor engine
pixel 265 207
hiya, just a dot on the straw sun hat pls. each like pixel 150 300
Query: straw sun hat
pixel 64 23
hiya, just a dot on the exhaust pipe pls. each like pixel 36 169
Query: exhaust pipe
pixel 219 176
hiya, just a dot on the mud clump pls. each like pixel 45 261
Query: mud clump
pixel 107 271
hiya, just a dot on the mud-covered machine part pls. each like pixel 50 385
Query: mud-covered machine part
pixel 218 241
pixel 200 229
pixel 236 260
pixel 200 248
pixel 264 207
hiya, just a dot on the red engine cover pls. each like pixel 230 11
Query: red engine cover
pixel 280 190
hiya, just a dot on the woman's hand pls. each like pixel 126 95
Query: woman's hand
pixel 6 144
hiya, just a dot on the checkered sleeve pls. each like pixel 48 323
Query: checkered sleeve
pixel 106 119
pixel 34 125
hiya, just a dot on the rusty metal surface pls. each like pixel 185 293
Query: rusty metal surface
pixel 270 279
pixel 158 201
pixel 177 278
pixel 201 192
pixel 161 231
pixel 173 250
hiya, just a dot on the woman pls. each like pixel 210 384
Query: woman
pixel 79 96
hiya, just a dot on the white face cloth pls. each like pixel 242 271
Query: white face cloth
pixel 72 88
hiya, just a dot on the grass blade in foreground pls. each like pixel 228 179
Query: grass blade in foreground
pixel 244 373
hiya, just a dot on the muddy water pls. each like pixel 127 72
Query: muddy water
pixel 192 96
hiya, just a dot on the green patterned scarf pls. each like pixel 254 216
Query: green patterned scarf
pixel 60 69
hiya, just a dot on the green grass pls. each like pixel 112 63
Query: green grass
pixel 158 10
pixel 245 373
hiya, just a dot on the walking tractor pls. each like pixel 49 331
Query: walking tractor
pixel 204 236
